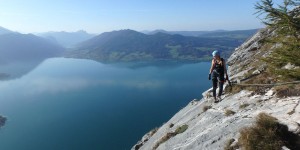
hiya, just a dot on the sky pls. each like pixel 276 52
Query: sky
pixel 97 16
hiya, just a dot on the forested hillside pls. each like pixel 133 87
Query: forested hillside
pixel 129 45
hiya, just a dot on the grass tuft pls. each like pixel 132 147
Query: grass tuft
pixel 233 89
pixel 244 106
pixel 181 129
pixel 229 146
pixel 164 139
pixel 229 112
pixel 291 112
pixel 153 131
pixel 267 134
pixel 287 90
pixel 205 108
pixel 169 135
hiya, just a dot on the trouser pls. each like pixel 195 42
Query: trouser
pixel 215 85
pixel 217 78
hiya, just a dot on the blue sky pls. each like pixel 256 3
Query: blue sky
pixel 97 16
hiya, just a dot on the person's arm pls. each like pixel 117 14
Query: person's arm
pixel 212 66
pixel 211 69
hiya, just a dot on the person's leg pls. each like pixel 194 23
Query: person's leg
pixel 220 88
pixel 221 81
pixel 215 84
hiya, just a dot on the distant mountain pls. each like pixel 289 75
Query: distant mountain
pixel 16 47
pixel 129 45
pixel 184 33
pixel 156 31
pixel 231 34
pixel 67 39
pixel 4 31
pixel 215 33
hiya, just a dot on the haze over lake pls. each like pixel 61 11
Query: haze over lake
pixel 83 105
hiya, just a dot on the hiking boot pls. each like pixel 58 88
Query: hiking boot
pixel 216 100
pixel 219 98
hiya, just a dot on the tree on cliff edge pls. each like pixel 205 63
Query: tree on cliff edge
pixel 285 21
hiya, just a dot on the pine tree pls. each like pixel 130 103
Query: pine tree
pixel 285 21
pixel 282 18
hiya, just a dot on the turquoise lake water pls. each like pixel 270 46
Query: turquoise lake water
pixel 75 104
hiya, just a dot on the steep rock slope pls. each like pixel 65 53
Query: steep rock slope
pixel 210 126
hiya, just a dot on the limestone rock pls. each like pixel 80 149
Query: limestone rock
pixel 211 129
pixel 290 66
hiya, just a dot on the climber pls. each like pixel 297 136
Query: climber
pixel 216 73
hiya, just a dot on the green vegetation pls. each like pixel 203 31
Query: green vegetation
pixel 281 48
pixel 267 134
pixel 281 57
pixel 174 50
pixel 286 24
pixel 287 90
pixel 169 135
pixel 285 21
pixel 129 45
pixel 233 89
pixel 181 129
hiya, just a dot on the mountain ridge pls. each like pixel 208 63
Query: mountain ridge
pixel 4 30
pixel 28 48
pixel 130 45
pixel 66 39
pixel 202 33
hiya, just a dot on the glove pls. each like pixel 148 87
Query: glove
pixel 209 76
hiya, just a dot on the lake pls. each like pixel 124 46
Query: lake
pixel 76 104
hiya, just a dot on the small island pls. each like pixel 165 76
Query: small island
pixel 2 121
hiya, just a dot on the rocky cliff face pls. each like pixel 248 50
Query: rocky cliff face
pixel 203 124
